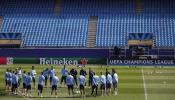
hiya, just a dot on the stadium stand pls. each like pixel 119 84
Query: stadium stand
pixel 48 31
pixel 65 23
pixel 114 30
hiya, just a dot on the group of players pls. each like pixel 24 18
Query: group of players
pixel 70 78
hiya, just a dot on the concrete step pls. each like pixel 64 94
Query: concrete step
pixel 92 32
pixel 91 36
pixel 90 40
pixel 92 27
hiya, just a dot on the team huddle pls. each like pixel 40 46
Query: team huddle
pixel 14 78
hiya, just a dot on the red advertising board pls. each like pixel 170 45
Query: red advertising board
pixel 3 60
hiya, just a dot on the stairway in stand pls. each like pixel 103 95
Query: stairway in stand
pixel 57 8
pixel 1 20
pixel 92 30
pixel 139 6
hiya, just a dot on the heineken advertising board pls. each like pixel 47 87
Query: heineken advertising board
pixel 76 61
pixel 58 61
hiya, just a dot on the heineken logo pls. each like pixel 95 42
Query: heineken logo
pixel 55 61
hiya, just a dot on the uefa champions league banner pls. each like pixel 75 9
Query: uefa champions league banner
pixel 141 62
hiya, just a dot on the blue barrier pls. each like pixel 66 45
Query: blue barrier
pixel 69 53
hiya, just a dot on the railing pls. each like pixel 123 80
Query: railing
pixel 159 53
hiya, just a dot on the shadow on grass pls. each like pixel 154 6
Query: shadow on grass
pixel 3 92
pixel 87 96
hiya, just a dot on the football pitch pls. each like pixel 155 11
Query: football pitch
pixel 141 83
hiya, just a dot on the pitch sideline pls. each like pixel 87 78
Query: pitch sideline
pixel 144 85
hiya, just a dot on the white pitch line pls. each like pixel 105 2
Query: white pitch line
pixel 144 85
pixel 25 97
pixel 29 99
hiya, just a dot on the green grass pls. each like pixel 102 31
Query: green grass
pixel 160 84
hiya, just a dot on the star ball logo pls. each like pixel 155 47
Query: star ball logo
pixel 84 61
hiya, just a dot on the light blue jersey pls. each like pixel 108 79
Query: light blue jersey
pixel 15 79
pixel 10 77
pixel 95 80
pixel 55 80
pixel 64 72
pixel 52 73
pixel 46 73
pixel 103 79
pixel 29 80
pixel 82 80
pixel 109 79
pixel 24 77
pixel 41 80
pixel 70 80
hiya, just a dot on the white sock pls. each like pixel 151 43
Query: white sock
pixel 115 93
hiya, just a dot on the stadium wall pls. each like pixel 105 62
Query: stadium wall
pixel 58 61
pixel 54 56
pixel 66 53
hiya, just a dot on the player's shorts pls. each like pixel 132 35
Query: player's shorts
pixel 19 83
pixel 29 87
pixel 115 84
pixel 95 87
pixel 24 86
pixel 40 87
pixel 33 79
pixel 108 85
pixel 54 87
pixel 70 87
pixel 15 85
pixel 46 77
pixel 9 83
pixel 81 87
pixel 6 82
pixel 50 79
pixel 90 78
pixel 102 86
pixel 63 78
